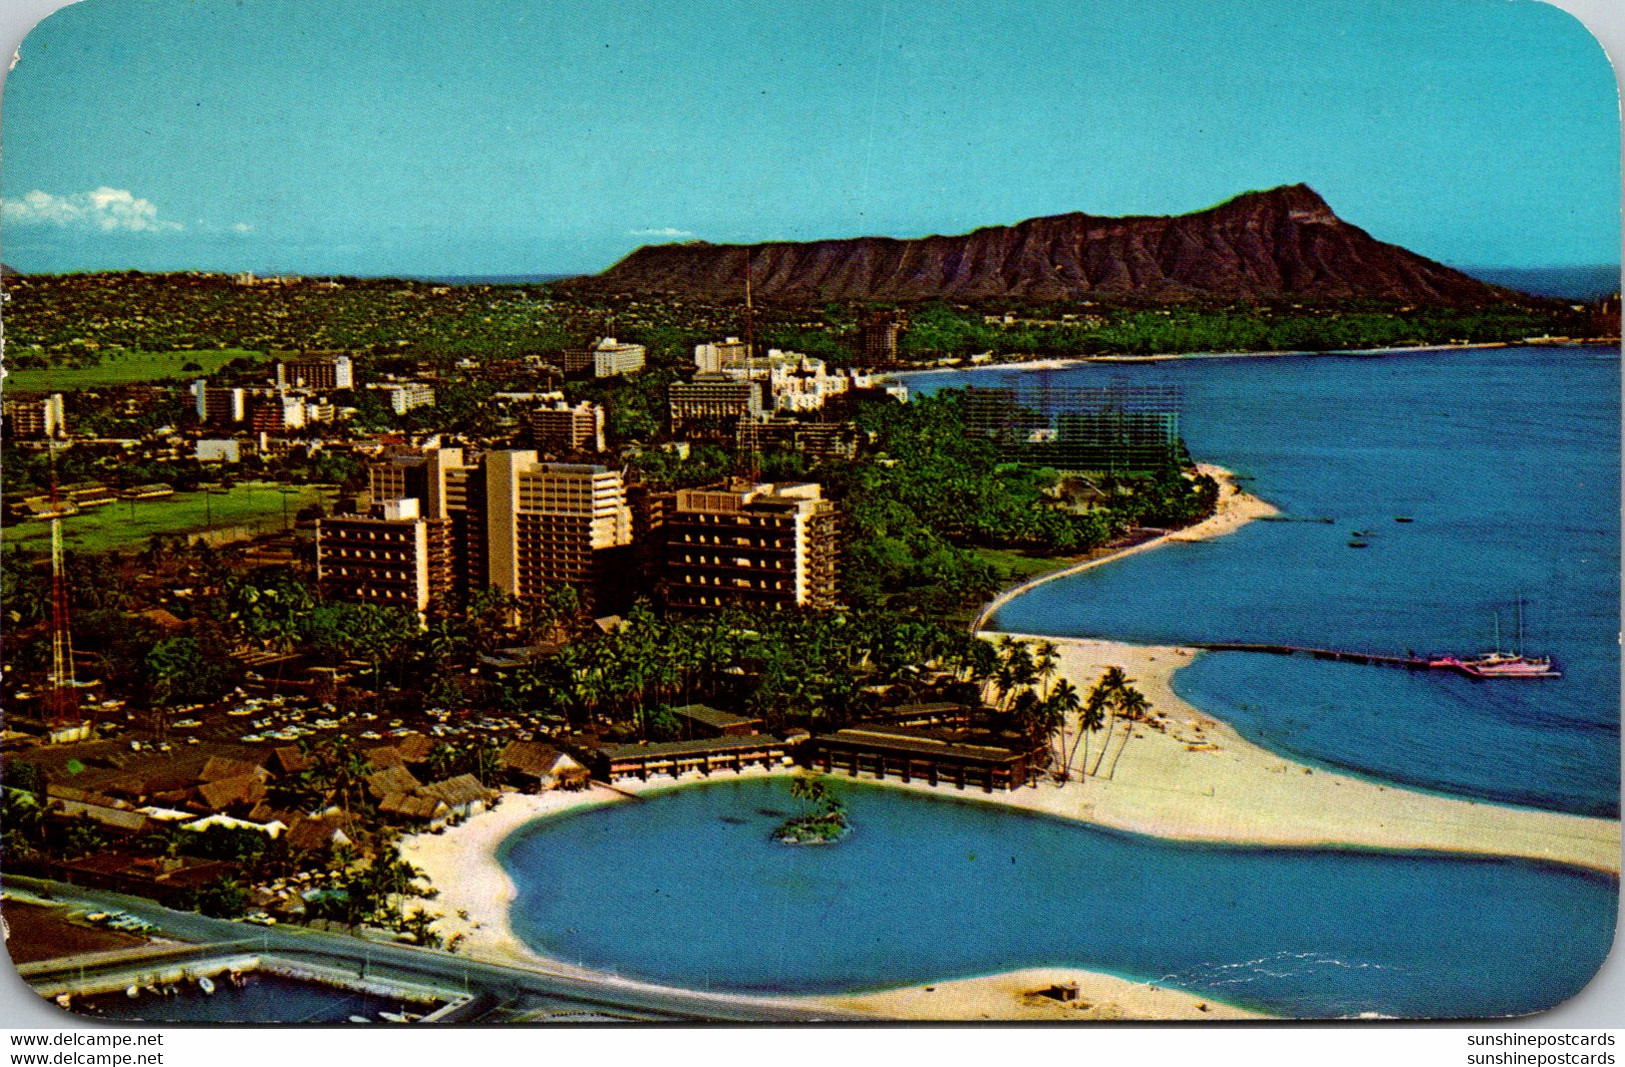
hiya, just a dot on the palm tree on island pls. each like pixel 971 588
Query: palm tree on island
pixel 823 824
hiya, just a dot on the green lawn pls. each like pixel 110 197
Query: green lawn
pixel 1021 566
pixel 122 368
pixel 128 525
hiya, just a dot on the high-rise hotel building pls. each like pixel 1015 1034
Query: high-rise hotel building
pixel 751 546
pixel 392 556
pixel 555 523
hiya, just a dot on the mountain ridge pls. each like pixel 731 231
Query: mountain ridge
pixel 1284 243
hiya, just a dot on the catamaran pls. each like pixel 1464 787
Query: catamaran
pixel 1500 663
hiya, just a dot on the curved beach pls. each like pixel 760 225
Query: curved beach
pixel 1195 779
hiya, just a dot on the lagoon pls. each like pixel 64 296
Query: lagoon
pixel 690 890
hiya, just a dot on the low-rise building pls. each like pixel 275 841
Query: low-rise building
pixel 217 450
pixel 605 359
pixel 910 755
pixel 405 396
pixel 537 767
pixel 705 721
pixel 675 758
pixel 33 418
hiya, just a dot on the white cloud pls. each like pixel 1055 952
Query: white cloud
pixel 663 231
pixel 104 209
pixel 242 227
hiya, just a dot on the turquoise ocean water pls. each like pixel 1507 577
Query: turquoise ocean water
pixel 1507 460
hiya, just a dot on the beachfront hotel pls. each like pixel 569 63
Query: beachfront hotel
pixel 751 546
pixel 393 556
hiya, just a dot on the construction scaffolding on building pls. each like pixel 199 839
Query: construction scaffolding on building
pixel 1115 428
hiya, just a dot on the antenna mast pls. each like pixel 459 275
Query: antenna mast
pixel 750 459
pixel 64 691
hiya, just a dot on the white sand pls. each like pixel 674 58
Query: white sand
pixel 1013 996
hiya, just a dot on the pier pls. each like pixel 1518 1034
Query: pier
pixel 1408 662
pixel 1500 665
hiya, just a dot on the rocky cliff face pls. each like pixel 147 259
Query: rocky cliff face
pixel 1281 244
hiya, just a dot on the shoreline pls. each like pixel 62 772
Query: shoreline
pixel 1066 362
pixel 1193 779
pixel 1235 508
pixel 462 864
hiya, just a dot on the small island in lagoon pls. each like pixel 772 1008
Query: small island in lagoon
pixel 824 824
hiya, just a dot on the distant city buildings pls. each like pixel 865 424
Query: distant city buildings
pixel 721 355
pixel 266 410
pixel 415 474
pixel 217 450
pixel 712 404
pixel 557 426
pixel 219 404
pixel 315 370
pixel 791 382
pixel 751 546
pixel 405 396
pixel 605 359
pixel 35 418
pixel 880 331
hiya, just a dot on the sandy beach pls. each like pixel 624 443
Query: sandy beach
pixel 1196 779
pixel 1018 996
pixel 1063 363
pixel 1184 776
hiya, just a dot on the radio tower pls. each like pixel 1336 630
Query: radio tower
pixel 750 458
pixel 63 698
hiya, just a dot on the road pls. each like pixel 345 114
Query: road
pixel 520 990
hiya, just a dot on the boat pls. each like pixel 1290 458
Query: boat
pixel 360 1019
pixel 1500 663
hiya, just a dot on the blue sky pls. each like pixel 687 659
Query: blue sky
pixel 512 136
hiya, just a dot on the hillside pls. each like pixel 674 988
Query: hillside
pixel 1281 244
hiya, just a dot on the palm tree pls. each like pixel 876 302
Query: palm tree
pixel 1133 705
pixel 1044 663
pixel 1090 720
pixel 1112 682
pixel 1063 703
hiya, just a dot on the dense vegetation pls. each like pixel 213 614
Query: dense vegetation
pixel 938 330
pixel 77 319
pixel 911 516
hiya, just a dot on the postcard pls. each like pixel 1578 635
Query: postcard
pixel 803 514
